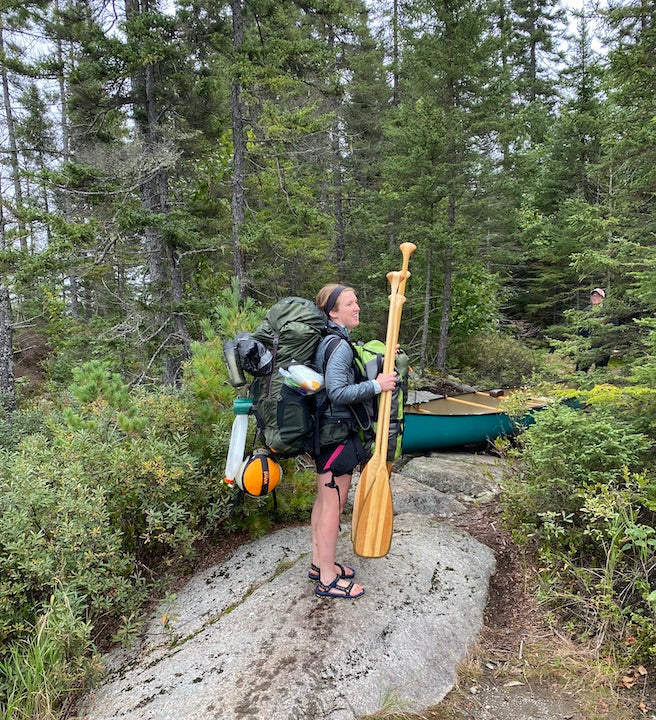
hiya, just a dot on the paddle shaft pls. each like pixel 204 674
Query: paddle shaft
pixel 379 456
pixel 397 298
pixel 373 512
pixel 372 508
pixel 373 498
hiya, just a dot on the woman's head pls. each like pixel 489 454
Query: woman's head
pixel 340 304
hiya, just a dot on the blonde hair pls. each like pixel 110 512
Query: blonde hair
pixel 326 291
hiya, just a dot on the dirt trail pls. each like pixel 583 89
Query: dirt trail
pixel 523 668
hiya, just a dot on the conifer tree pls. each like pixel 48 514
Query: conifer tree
pixel 435 136
pixel 628 173
pixel 535 24
pixel 12 147
pixel 566 217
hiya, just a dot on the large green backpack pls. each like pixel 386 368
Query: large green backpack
pixel 369 358
pixel 291 331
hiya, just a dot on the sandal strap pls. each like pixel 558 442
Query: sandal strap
pixel 315 570
pixel 334 586
pixel 347 589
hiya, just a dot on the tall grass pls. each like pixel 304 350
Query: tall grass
pixel 37 675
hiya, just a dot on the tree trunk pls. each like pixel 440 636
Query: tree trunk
pixel 427 310
pixel 447 256
pixel 166 285
pixel 447 272
pixel 395 53
pixel 506 102
pixel 238 152
pixel 13 150
pixel 338 208
pixel 337 188
pixel 7 387
pixel 66 156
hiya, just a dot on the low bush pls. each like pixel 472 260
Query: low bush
pixel 55 531
pixel 97 498
pixel 101 490
pixel 99 494
pixel 136 446
pixel 582 496
pixel 494 360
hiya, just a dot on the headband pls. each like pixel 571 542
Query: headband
pixel 332 298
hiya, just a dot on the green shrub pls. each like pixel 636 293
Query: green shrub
pixel 584 500
pixel 493 360
pixel 136 446
pixel 103 488
pixel 634 404
pixel 94 495
pixel 14 426
pixel 55 531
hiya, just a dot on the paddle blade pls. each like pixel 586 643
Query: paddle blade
pixel 360 492
pixel 372 534
pixel 362 489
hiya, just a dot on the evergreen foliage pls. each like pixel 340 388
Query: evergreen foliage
pixel 520 162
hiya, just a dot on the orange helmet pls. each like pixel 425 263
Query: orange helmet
pixel 258 474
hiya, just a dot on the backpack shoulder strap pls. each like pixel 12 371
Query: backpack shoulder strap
pixel 331 346
pixel 359 409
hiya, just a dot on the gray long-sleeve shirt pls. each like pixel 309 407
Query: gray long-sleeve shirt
pixel 339 375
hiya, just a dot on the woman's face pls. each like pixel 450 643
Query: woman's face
pixel 346 311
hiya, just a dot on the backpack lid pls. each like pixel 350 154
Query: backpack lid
pixel 291 330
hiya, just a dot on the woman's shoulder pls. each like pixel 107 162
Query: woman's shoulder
pixel 335 345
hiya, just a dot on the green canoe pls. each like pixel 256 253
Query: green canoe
pixel 463 419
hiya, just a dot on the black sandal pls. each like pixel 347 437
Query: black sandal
pixel 333 590
pixel 345 572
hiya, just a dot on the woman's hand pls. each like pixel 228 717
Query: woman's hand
pixel 387 381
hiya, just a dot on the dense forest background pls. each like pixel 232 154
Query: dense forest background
pixel 152 151
pixel 170 169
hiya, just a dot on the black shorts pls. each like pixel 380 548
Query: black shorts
pixel 341 458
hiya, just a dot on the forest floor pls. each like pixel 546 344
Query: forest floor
pixel 524 667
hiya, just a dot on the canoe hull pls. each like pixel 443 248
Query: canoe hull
pixel 467 419
pixel 423 433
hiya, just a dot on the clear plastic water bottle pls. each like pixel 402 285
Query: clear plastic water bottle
pixel 235 372
pixel 241 407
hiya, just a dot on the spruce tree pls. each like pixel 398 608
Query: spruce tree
pixel 437 149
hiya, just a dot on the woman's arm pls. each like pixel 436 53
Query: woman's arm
pixel 340 378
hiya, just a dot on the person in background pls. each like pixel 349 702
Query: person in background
pixel 340 448
pixel 597 297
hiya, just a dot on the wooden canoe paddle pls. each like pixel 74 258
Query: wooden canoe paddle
pixel 373 512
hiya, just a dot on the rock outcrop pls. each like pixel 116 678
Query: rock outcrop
pixel 249 639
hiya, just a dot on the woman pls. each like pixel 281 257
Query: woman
pixel 340 450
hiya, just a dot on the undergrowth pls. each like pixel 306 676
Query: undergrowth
pixel 104 489
pixel 582 498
